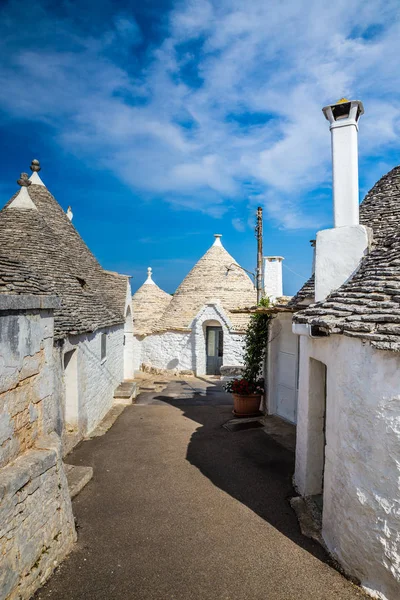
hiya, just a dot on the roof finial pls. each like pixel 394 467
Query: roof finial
pixel 70 214
pixel 23 199
pixel 149 274
pixel 218 237
pixel 23 181
pixel 35 166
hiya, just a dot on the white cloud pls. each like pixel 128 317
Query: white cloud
pixel 188 123
pixel 238 224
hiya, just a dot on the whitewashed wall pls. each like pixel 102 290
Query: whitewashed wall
pixel 97 379
pixel 361 514
pixel 129 345
pixel 281 368
pixel 213 314
pixel 36 523
pixel 137 353
pixel 174 350
pixel 170 350
pixel 273 286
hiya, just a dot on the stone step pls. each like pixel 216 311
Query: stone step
pixel 147 388
pixel 77 478
pixel 126 391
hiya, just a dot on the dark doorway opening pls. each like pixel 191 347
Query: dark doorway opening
pixel 214 350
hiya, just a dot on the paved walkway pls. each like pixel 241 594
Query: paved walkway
pixel 180 508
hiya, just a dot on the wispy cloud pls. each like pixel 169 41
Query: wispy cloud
pixel 229 101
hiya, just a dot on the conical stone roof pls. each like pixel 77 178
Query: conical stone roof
pixel 215 277
pixel 367 306
pixel 148 305
pixel 379 210
pixel 35 231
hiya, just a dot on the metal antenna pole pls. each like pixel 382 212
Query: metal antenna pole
pixel 259 274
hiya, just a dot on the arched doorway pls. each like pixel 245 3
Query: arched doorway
pixel 214 349
pixel 128 345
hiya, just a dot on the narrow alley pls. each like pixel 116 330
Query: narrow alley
pixel 181 508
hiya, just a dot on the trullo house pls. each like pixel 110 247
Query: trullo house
pixel 346 374
pixel 93 329
pixel 195 329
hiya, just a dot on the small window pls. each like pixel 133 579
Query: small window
pixel 103 346
pixel 82 283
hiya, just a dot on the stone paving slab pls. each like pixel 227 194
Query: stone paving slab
pixel 181 509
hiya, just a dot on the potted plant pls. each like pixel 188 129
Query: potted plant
pixel 248 390
pixel 246 396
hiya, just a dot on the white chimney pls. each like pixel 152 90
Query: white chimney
pixel 343 118
pixel 340 250
pixel 273 277
pixel 313 245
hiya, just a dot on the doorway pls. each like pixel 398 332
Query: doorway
pixel 317 427
pixel 71 390
pixel 128 346
pixel 214 350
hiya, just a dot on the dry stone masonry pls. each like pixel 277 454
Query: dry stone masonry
pixel 66 343
pixel 36 522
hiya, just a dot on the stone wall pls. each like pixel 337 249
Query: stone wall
pixel 360 468
pixel 97 378
pixel 36 522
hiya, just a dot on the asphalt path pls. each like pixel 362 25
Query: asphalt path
pixel 180 508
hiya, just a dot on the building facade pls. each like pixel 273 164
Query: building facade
pixel 196 329
pixel 348 434
pixel 36 526
pixel 93 328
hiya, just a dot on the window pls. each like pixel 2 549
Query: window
pixel 103 346
pixel 82 283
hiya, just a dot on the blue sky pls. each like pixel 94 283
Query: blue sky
pixel 164 122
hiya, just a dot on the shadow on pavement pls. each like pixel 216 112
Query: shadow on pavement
pixel 248 465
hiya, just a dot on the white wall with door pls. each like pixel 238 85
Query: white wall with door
pixel 91 367
pixel 358 470
pixel 213 315
pixel 129 345
pixel 282 368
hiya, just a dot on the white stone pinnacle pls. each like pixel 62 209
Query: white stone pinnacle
pixel 35 179
pixel 23 200
pixel 218 237
pixel 149 279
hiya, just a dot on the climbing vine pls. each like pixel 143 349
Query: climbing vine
pixel 255 351
pixel 256 343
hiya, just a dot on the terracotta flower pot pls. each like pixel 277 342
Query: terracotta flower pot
pixel 246 406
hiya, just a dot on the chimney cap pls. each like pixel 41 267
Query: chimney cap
pixel 343 109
